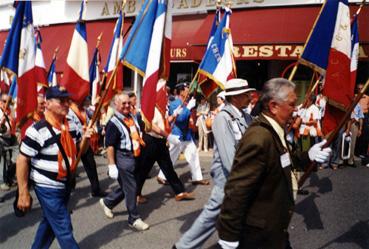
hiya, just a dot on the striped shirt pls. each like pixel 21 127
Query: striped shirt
pixel 117 133
pixel 39 145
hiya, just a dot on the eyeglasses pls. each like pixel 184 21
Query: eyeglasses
pixel 126 103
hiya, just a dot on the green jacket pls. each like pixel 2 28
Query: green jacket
pixel 258 203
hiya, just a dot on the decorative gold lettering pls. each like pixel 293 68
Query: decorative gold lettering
pixel 172 53
pixel 117 5
pixel 362 53
pixel 131 6
pixel 242 2
pixel 184 52
pixel 236 51
pixel 105 10
pixel 195 3
pixel 178 52
pixel 297 51
pixel 210 3
pixel 282 50
pixel 266 51
pixel 183 4
pixel 250 51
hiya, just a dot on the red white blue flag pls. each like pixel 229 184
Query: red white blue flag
pixel 76 74
pixel 218 61
pixel 142 51
pixel 95 77
pixel 328 51
pixel 51 75
pixel 19 57
pixel 164 69
pixel 40 69
pixel 116 48
pixel 355 49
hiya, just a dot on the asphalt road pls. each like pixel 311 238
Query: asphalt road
pixel 334 215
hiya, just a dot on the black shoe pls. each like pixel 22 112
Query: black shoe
pixel 99 194
pixel 302 192
pixel 174 247
pixel 2 199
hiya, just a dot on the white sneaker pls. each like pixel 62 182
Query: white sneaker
pixel 139 225
pixel 4 187
pixel 107 211
pixel 367 165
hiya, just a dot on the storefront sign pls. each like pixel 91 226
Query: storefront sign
pixel 254 52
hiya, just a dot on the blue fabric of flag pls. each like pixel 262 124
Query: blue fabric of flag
pixel 215 51
pixel 136 49
pixel 51 72
pixel 316 52
pixel 93 67
pixel 10 55
pixel 354 33
pixel 13 88
pixel 116 36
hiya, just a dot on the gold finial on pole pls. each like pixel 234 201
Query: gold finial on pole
pixel 229 3
pixel 99 39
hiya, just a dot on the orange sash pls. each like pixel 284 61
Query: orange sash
pixel 137 141
pixel 68 144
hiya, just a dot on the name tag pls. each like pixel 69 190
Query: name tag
pixel 285 160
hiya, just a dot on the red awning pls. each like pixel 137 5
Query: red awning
pixel 259 33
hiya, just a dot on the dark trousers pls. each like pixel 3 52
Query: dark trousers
pixel 362 142
pixel 156 150
pixel 89 164
pixel 126 164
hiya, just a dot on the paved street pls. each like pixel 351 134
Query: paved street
pixel 334 215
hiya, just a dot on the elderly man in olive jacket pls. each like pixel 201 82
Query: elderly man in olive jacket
pixel 258 202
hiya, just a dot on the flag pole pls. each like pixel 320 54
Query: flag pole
pixel 294 70
pixel 332 135
pixel 84 141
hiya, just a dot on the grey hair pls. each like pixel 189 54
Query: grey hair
pixel 276 89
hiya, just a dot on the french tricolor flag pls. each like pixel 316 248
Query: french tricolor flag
pixel 76 74
pixel 164 69
pixel 95 77
pixel 328 51
pixel 115 50
pixel 142 52
pixel 218 61
pixel 19 57
pixel 51 75
pixel 40 69
pixel 355 49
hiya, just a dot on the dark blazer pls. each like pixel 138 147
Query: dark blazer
pixel 258 203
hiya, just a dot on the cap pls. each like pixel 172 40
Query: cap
pixel 236 87
pixel 56 92
pixel 221 95
pixel 181 85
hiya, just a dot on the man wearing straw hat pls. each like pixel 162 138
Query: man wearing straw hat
pixel 228 127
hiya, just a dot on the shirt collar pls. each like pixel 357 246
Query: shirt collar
pixel 236 110
pixel 278 129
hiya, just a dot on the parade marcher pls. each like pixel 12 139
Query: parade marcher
pixel 202 112
pixel 181 129
pixel 363 141
pixel 79 116
pixel 7 138
pixel 48 151
pixel 220 102
pixel 156 150
pixel 354 127
pixel 310 127
pixel 258 202
pixel 123 142
pixel 228 127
